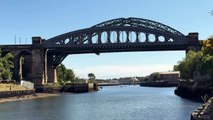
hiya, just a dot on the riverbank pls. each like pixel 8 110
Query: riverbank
pixel 193 93
pixel 70 87
pixel 158 84
pixel 27 97
pixel 205 112
pixel 117 84
pixel 198 92
pixel 8 94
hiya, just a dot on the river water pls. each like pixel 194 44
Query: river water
pixel 110 103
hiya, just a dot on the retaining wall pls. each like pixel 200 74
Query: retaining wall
pixel 205 112
pixel 79 88
pixel 193 93
pixel 6 94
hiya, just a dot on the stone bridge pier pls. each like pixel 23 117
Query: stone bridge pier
pixel 33 64
pixel 193 42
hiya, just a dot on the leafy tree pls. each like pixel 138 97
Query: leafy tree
pixel 64 74
pixel 207 65
pixel 91 77
pixel 6 66
pixel 201 61
pixel 207 60
pixel 208 46
pixel 154 76
pixel 188 65
pixel 60 72
pixel 80 80
pixel 70 76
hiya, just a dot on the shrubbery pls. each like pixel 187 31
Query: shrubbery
pixel 201 61
pixel 6 67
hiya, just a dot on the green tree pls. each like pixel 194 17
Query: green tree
pixel 188 66
pixel 80 80
pixel 207 65
pixel 154 76
pixel 64 74
pixel 207 60
pixel 61 69
pixel 91 77
pixel 201 61
pixel 6 66
pixel 207 46
pixel 70 76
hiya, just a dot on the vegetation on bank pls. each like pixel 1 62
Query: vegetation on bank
pixel 6 67
pixel 11 87
pixel 198 65
pixel 65 75
pixel 91 77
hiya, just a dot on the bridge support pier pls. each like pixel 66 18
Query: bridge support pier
pixel 42 71
pixel 52 74
pixel 17 74
pixel 38 72
pixel 194 44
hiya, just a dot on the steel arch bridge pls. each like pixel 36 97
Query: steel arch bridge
pixel 118 35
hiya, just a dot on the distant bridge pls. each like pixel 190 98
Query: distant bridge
pixel 117 35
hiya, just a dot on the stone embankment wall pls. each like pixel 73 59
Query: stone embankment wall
pixel 79 88
pixel 205 112
pixel 6 94
pixel 72 87
pixel 48 89
pixel 193 93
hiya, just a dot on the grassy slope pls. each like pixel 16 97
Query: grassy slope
pixel 13 87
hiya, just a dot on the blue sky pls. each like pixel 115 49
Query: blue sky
pixel 48 18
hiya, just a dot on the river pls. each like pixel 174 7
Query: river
pixel 110 103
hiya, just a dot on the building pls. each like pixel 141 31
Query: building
pixel 170 76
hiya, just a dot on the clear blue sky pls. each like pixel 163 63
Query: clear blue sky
pixel 48 18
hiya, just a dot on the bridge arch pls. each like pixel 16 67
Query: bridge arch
pixel 22 64
pixel 111 31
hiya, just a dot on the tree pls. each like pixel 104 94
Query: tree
pixel 208 46
pixel 188 66
pixel 80 80
pixel 64 74
pixel 91 77
pixel 70 76
pixel 6 66
pixel 207 60
pixel 61 73
pixel 201 61
pixel 154 76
